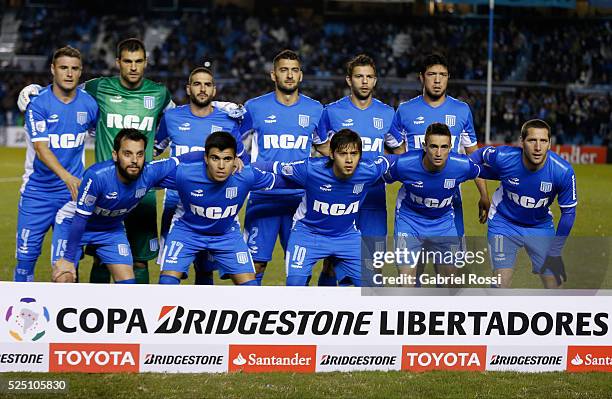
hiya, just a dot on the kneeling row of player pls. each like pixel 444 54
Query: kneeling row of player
pixel 211 195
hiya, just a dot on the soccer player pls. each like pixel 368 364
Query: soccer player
pixel 424 217
pixel 110 190
pixel 186 128
pixel 57 122
pixel 371 118
pixel 210 198
pixel 531 177
pixel 325 222
pixel 127 101
pixel 283 127
pixel 434 105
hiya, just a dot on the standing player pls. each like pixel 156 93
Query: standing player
pixel 127 101
pixel 110 190
pixel 372 120
pixel 325 222
pixel 210 198
pixel 186 129
pixel 531 177
pixel 424 216
pixel 56 122
pixel 283 127
pixel 434 105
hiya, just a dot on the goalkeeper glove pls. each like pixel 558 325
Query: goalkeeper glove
pixel 556 266
pixel 24 96
pixel 235 111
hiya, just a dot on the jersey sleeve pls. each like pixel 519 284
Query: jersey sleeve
pixel 296 172
pixel 324 129
pixel 94 114
pixel 159 171
pixel 262 180
pixel 88 193
pixel 382 166
pixel 472 170
pixel 36 125
pixel 397 127
pixel 239 144
pixel 246 126
pixel 567 196
pixel 91 86
pixel 168 103
pixel 468 134
pixel 393 173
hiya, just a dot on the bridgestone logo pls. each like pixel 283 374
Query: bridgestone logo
pixel 183 359
pixel 498 360
pixel 330 360
pixel 21 358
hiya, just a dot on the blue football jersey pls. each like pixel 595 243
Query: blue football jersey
pixel 429 194
pixel 524 197
pixel 373 125
pixel 412 118
pixel 280 132
pixel 187 132
pixel 64 127
pixel 210 207
pixel 330 205
pixel 107 201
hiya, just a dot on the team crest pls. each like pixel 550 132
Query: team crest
pixel 378 123
pixel 287 170
pixel 303 120
pixel 357 188
pixel 140 192
pixel 242 258
pixel 81 118
pixel 149 102
pixel 545 187
pixel 450 120
pixel 231 192
pixel 41 126
pixel 449 183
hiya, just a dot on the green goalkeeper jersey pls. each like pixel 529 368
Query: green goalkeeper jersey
pixel 119 107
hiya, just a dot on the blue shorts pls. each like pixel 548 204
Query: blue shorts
pixel 183 245
pixel 265 219
pixel 306 247
pixel 505 238
pixel 112 246
pixel 36 215
pixel 417 233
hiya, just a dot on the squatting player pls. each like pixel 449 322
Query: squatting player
pixel 424 214
pixel 128 101
pixel 110 190
pixel 434 105
pixel 283 127
pixel 325 222
pixel 530 179
pixel 210 198
pixel 371 118
pixel 185 129
pixel 57 122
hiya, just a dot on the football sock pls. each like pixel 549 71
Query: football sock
pixel 24 271
pixel 169 280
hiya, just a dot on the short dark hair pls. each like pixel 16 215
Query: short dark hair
pixel 534 124
pixel 344 138
pixel 132 44
pixel 66 51
pixel 221 141
pixel 433 59
pixel 359 60
pixel 286 55
pixel 128 133
pixel 438 129
pixel 200 70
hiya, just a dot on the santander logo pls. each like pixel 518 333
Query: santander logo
pixel 268 358
pixel 589 358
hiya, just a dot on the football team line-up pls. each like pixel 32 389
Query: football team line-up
pixel 329 207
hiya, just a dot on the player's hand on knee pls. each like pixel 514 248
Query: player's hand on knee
pixel 557 267
pixel 483 209
pixel 25 96
pixel 72 183
pixel 64 272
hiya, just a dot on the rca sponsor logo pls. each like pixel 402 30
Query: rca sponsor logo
pixel 267 358
pixel 422 358
pixel 589 358
pixel 94 358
